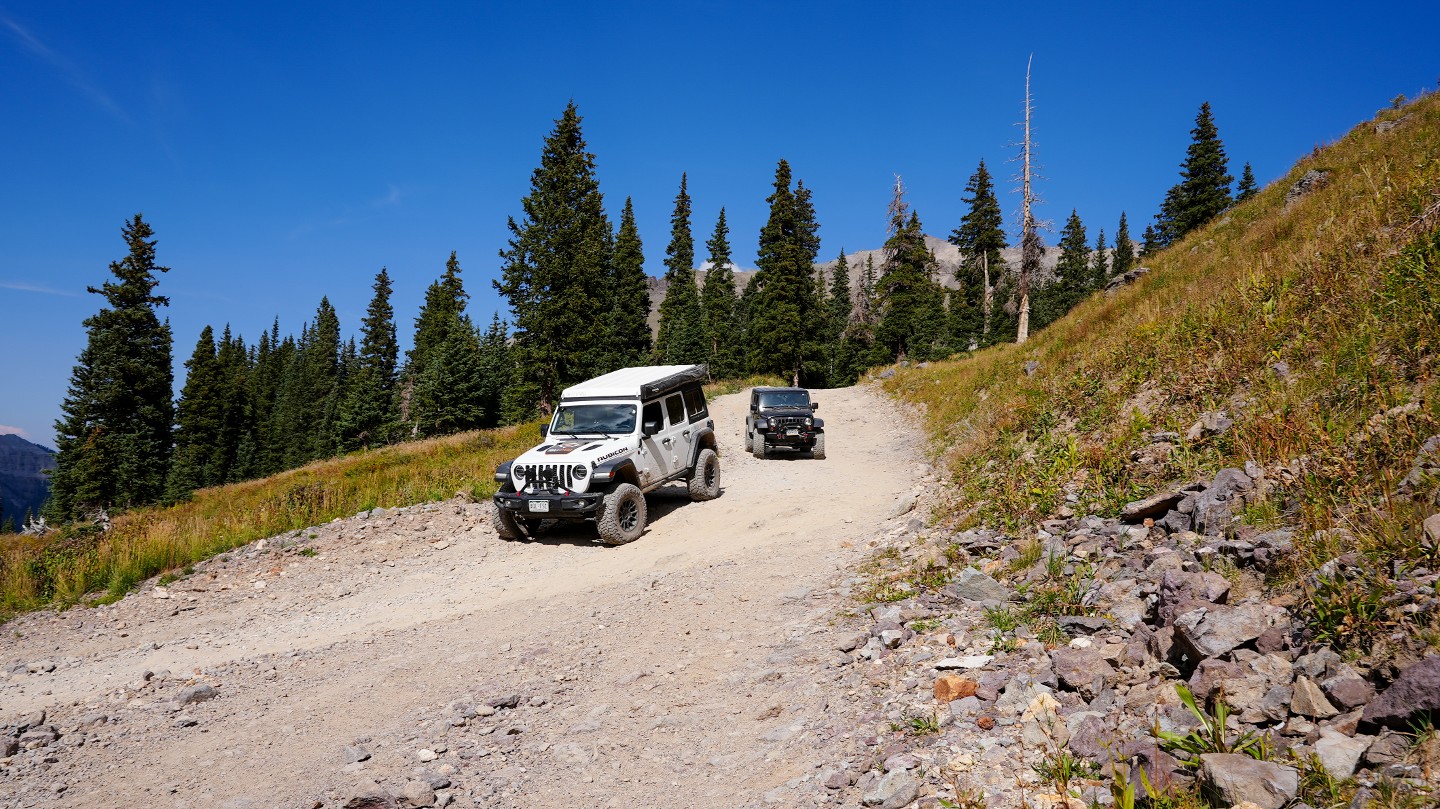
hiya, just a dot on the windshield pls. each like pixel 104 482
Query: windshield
pixel 785 398
pixel 594 418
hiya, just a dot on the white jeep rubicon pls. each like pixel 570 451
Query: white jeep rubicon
pixel 610 441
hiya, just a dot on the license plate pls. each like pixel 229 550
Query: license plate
pixel 792 432
pixel 539 505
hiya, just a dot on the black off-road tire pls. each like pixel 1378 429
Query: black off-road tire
pixel 749 441
pixel 758 449
pixel 704 483
pixel 622 515
pixel 507 527
pixel 818 451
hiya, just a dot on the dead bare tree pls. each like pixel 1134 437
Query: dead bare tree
pixel 1030 247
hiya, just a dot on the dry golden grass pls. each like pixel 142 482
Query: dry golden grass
pixel 1342 286
pixel 63 569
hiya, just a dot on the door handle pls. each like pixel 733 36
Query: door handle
pixel 687 433
pixel 665 441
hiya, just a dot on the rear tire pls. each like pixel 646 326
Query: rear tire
pixel 818 451
pixel 622 515
pixel 704 484
pixel 749 441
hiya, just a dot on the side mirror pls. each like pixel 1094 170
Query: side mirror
pixel 650 428
pixel 814 406
pixel 544 430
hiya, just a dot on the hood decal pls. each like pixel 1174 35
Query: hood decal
pixel 564 448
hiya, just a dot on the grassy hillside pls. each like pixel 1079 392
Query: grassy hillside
pixel 1314 325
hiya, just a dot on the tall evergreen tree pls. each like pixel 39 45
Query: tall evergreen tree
pixel 839 360
pixel 448 395
pixel 1150 241
pixel 980 237
pixel 234 361
pixel 1072 275
pixel 1124 249
pixel 444 302
pixel 199 423
pixel 630 310
pixel 556 270
pixel 784 309
pixel 912 305
pixel 1204 187
pixel 370 409
pixel 495 370
pixel 1099 265
pixel 1246 188
pixel 681 338
pixel 114 436
pixel 718 305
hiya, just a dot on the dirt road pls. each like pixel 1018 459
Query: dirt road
pixel 694 667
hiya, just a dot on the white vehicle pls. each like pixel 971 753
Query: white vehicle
pixel 610 441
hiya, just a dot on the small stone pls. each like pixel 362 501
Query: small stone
pixel 1310 701
pixel 1432 531
pixel 966 662
pixel 903 506
pixel 1340 754
pixel 972 585
pixel 196 693
pixel 426 755
pixel 355 755
pixel 952 687
pixel 892 790
pixel 160 593
pixel 1415 691
pixel 417 794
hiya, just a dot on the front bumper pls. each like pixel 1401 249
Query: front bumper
pixel 550 504
pixel 786 438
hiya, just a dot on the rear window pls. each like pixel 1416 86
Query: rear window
pixel 676 408
pixel 695 403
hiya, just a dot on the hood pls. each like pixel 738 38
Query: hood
pixel 560 457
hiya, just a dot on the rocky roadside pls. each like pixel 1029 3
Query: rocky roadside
pixel 1045 669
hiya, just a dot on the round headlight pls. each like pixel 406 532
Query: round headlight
pixel 580 471
pixel 809 422
pixel 518 472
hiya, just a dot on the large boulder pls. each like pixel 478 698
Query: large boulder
pixel 1225 496
pixel 1232 778
pixel 1084 670
pixel 972 585
pixel 1415 693
pixel 1215 629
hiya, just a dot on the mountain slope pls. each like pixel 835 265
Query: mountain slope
pixel 23 484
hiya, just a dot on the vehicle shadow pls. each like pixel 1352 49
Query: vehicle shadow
pixel 659 504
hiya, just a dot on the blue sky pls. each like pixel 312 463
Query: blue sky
pixel 287 151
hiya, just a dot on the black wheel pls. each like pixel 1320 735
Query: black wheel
pixel 705 482
pixel 622 515
pixel 506 526
pixel 759 447
pixel 749 441
pixel 818 451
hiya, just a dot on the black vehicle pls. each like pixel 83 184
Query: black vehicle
pixel 783 417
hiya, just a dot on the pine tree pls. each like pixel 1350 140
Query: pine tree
pixel 1099 265
pixel 718 306
pixel 1247 188
pixel 1204 187
pixel 199 423
pixel 448 395
pixel 444 302
pixel 630 310
pixel 1150 241
pixel 1124 249
pixel 234 361
pixel 980 237
pixel 783 310
pixel 912 307
pixel 681 339
pixel 839 362
pixel 114 437
pixel 556 269
pixel 495 370
pixel 370 410
pixel 1072 275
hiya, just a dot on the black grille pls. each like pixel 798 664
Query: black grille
pixel 783 422
pixel 548 475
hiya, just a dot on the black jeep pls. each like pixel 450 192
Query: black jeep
pixel 783 417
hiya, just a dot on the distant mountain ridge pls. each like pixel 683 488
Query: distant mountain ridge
pixel 23 482
pixel 947 256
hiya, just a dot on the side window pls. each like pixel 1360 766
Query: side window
pixel 695 403
pixel 676 408
pixel 652 413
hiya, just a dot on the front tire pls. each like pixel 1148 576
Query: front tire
pixel 506 526
pixel 704 484
pixel 818 451
pixel 759 447
pixel 622 515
